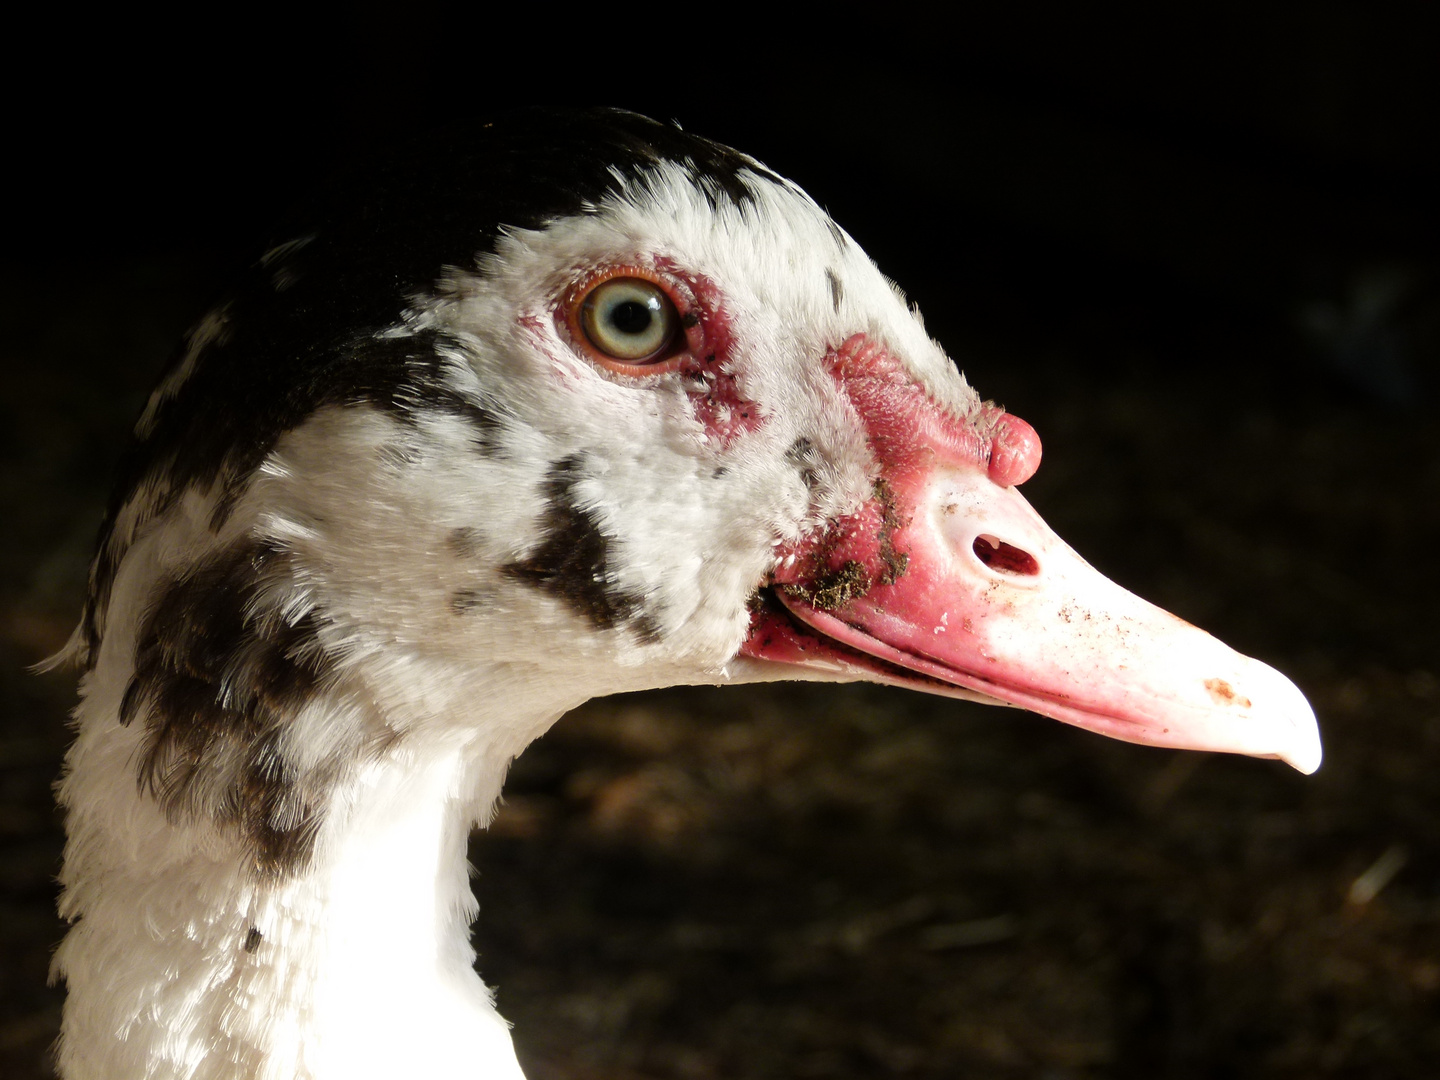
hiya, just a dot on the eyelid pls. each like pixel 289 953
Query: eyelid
pixel 686 341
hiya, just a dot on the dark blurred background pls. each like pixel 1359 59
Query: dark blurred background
pixel 1200 256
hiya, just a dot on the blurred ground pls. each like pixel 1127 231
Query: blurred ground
pixel 795 881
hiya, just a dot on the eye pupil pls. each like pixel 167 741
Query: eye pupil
pixel 631 317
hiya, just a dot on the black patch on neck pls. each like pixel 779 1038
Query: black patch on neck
pixel 368 250
pixel 217 677
pixel 572 560
pixel 837 291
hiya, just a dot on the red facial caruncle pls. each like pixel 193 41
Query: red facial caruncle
pixel 910 435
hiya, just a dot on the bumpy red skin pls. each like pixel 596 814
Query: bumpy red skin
pixel 909 431
pixel 910 435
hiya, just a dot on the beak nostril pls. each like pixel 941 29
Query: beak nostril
pixel 998 555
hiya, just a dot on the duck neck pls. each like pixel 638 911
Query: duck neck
pixel 357 964
pixel 386 984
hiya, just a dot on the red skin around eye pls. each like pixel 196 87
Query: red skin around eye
pixel 723 411
pixel 702 355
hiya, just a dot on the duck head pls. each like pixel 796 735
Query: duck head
pixel 594 405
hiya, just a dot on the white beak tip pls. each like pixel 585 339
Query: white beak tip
pixel 1305 753
pixel 1300 733
pixel 1307 758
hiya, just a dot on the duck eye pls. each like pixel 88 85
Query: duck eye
pixel 629 319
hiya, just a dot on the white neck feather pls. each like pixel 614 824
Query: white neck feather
pixel 358 966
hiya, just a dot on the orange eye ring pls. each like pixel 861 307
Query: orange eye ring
pixel 627 321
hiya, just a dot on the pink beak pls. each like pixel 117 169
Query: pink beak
pixel 949 582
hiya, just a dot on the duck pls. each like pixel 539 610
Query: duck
pixel 574 404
